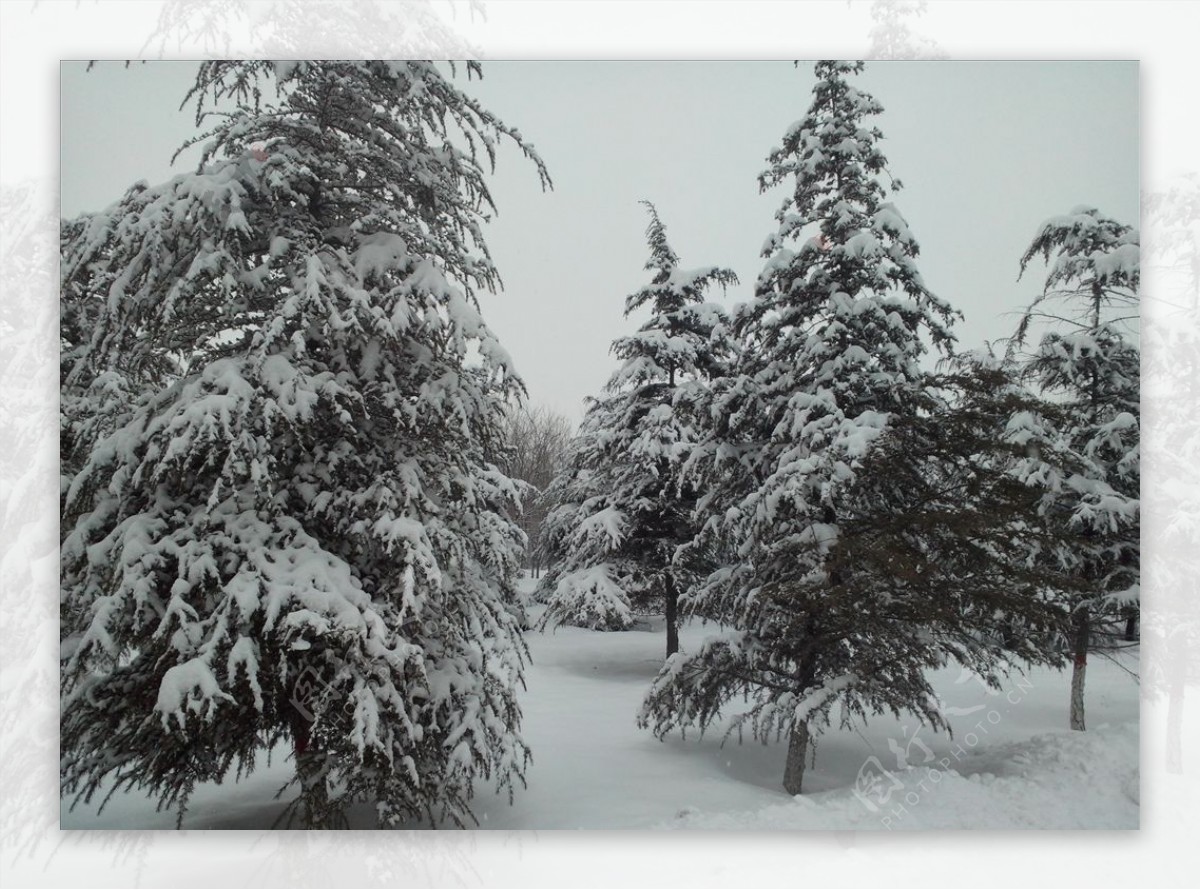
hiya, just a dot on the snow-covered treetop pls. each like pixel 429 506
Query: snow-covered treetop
pixel 395 128
pixel 686 337
pixel 1092 250
pixel 839 239
pixel 1094 275
pixel 662 258
pixel 840 310
pixel 829 151
pixel 672 287
pixel 375 167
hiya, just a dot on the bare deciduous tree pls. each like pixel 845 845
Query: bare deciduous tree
pixel 535 439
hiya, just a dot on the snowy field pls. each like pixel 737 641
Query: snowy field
pixel 1011 764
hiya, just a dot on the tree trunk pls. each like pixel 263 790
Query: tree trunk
pixel 1131 627
pixel 793 773
pixel 302 750
pixel 672 597
pixel 299 724
pixel 1082 633
pixel 315 811
pixel 1010 634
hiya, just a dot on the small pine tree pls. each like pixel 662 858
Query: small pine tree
pixel 579 524
pixel 1087 365
pixel 293 532
pixel 858 564
pixel 624 511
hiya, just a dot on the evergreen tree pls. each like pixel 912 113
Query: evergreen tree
pixel 830 472
pixel 1088 366
pixel 292 532
pixel 991 448
pixel 623 510
pixel 577 526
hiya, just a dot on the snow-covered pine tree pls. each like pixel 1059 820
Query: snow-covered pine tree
pixel 987 451
pixel 1087 364
pixel 296 534
pixel 623 511
pixel 89 404
pixel 801 472
pixel 576 513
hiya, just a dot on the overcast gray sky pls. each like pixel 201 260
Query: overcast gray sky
pixel 986 151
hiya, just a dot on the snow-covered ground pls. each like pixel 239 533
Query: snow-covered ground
pixel 1011 764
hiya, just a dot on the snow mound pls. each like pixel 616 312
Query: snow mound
pixel 1056 781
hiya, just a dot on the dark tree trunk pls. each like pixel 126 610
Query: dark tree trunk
pixel 1010 634
pixel 1079 674
pixel 672 597
pixel 793 773
pixel 299 720
pixel 1131 627
pixel 314 810
pixel 798 738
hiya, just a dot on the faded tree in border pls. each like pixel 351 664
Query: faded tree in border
pixel 1087 367
pixel 623 512
pixel 1170 392
pixel 293 532
pixel 864 546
